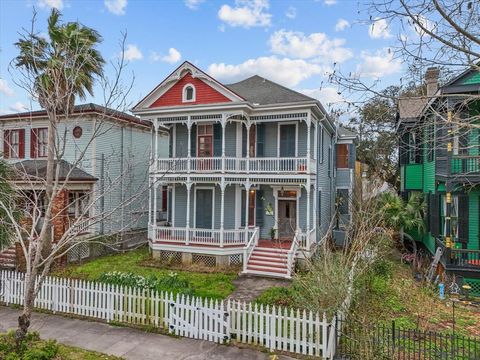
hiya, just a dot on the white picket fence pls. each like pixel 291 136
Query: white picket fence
pixel 275 328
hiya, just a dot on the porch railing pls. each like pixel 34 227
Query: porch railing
pixel 235 165
pixel 466 259
pixel 81 225
pixel 248 249
pixel 465 165
pixel 209 237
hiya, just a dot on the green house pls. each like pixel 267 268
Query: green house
pixel 439 155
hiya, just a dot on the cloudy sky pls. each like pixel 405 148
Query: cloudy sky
pixel 295 43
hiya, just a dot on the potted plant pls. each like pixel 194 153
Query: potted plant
pixel 273 233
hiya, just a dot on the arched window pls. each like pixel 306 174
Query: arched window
pixel 188 93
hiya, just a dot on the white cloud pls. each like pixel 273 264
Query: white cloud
pixel 132 53
pixel 193 4
pixel 5 89
pixel 18 107
pixel 291 12
pixel 330 2
pixel 298 45
pixel 378 65
pixel 341 25
pixel 246 13
pixel 172 57
pixel 326 95
pixel 116 7
pixel 423 23
pixel 379 29
pixel 57 4
pixel 288 72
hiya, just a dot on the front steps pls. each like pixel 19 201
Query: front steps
pixel 269 261
pixel 8 258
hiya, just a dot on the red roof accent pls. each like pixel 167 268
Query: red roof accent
pixel 204 94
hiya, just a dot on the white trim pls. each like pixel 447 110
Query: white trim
pixel 194 95
pixel 296 136
pixel 195 204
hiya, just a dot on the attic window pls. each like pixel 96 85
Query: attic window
pixel 188 93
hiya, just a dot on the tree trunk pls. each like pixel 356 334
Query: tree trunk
pixel 43 244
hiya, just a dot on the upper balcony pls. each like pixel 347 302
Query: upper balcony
pixel 272 165
pixel 462 167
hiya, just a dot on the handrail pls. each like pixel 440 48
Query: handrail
pixel 248 249
pixel 459 258
pixel 291 255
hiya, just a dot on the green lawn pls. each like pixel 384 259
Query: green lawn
pixel 216 285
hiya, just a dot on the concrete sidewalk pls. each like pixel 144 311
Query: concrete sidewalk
pixel 123 341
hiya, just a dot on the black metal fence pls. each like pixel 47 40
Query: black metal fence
pixel 357 341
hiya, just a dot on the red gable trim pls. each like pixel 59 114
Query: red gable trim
pixel 204 94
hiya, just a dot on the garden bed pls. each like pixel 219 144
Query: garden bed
pixel 216 284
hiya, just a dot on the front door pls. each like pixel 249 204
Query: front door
pixel 287 218
pixel 203 211
pixel 287 140
pixel 205 146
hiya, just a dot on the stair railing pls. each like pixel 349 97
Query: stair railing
pixel 248 249
pixel 292 252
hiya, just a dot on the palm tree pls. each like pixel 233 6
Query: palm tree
pixel 403 215
pixel 59 69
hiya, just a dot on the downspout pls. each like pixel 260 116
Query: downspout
pixel 122 195
pixel 102 193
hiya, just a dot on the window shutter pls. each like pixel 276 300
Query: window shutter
pixel 164 198
pixel 33 143
pixel 259 208
pixel 6 144
pixel 244 141
pixel 463 218
pixel 217 140
pixel 351 156
pixel 21 144
pixel 427 215
pixel 434 214
pixel 419 148
pixel 260 140
pixel 242 209
pixel 193 141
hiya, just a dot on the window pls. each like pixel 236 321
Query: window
pixel 77 204
pixel 342 156
pixel 188 93
pixel 205 140
pixel 42 142
pixel 14 144
pixel 343 201
pixel 453 216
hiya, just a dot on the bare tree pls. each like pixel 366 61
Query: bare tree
pixel 56 72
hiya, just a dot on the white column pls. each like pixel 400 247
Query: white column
pixel 155 185
pixel 156 142
pixel 150 202
pixel 189 142
pixel 308 145
pixel 173 205
pixel 308 206
pixel 222 211
pixel 247 124
pixel 224 125
pixel 247 194
pixel 188 184
pixel 315 141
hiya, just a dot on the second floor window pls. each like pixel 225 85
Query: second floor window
pixel 205 140
pixel 39 143
pixel 342 156
pixel 14 144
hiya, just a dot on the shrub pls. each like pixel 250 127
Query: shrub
pixel 278 296
pixel 171 282
pixel 32 348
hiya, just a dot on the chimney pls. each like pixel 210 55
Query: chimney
pixel 431 80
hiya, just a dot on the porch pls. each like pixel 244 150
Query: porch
pixel 464 262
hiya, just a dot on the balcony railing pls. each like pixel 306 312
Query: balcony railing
pixel 203 237
pixel 235 165
pixel 466 165
pixel 459 259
